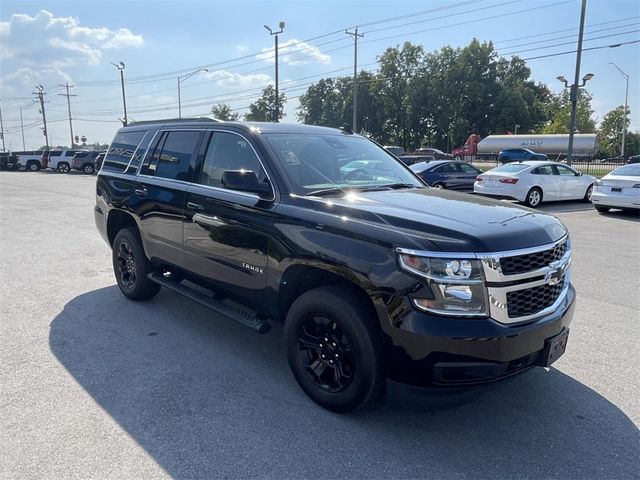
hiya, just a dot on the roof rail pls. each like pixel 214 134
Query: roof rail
pixel 172 120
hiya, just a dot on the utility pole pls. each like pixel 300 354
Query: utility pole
pixel 626 98
pixel 182 79
pixel 355 36
pixel 22 130
pixel 68 95
pixel 40 93
pixel 120 67
pixel 276 110
pixel 574 88
pixel 2 131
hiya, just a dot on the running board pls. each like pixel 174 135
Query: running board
pixel 246 319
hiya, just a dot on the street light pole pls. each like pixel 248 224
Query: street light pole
pixel 355 35
pixel 276 110
pixel 4 149
pixel 120 67
pixel 574 88
pixel 22 129
pixel 69 95
pixel 626 98
pixel 182 79
pixel 515 130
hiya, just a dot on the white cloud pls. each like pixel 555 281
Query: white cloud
pixel 225 78
pixel 295 52
pixel 53 42
pixel 28 77
pixel 241 48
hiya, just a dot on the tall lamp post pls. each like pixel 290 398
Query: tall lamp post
pixel 182 79
pixel 626 98
pixel 120 67
pixel 276 110
pixel 573 95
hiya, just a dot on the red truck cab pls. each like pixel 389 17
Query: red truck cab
pixel 469 148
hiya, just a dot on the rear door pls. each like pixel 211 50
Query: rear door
pixel 544 177
pixel 159 195
pixel 226 234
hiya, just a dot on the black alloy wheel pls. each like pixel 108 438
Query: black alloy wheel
pixel 334 347
pixel 126 264
pixel 326 353
pixel 132 267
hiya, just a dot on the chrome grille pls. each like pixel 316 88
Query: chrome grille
pixel 532 261
pixel 530 301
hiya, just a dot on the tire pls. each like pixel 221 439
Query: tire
pixel 32 167
pixel 601 209
pixel 131 266
pixel 587 194
pixel 534 198
pixel 352 368
pixel 458 157
pixel 63 167
pixel 88 169
pixel 439 186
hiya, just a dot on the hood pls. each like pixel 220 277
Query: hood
pixel 448 221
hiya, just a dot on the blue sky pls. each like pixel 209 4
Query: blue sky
pixel 52 42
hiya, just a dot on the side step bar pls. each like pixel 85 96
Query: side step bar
pixel 244 318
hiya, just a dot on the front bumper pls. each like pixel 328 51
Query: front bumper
pixel 433 351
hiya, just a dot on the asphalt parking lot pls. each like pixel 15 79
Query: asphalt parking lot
pixel 95 386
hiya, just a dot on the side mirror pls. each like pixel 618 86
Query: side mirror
pixel 244 181
pixel 578 174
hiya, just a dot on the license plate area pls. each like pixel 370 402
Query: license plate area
pixel 555 348
pixel 616 189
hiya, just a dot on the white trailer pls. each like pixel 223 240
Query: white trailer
pixel 583 143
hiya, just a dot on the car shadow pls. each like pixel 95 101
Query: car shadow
pixel 206 397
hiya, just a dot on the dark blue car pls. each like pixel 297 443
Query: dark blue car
pixel 519 155
pixel 450 174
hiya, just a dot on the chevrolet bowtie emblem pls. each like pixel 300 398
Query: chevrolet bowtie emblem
pixel 556 272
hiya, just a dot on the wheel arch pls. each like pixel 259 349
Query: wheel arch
pixel 299 278
pixel 116 221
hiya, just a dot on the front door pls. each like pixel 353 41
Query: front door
pixel 569 184
pixel 226 232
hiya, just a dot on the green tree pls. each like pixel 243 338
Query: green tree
pixel 223 112
pixel 611 132
pixel 560 112
pixel 262 109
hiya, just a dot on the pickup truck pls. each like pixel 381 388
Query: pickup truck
pixel 374 275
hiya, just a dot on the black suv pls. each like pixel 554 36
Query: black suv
pixel 374 274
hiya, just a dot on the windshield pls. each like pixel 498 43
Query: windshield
pixel 337 162
pixel 628 171
pixel 509 168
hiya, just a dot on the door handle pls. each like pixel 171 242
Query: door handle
pixel 195 206
pixel 207 221
pixel 141 192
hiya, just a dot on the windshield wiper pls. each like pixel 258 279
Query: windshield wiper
pixel 389 186
pixel 325 191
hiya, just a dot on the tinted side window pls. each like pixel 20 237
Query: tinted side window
pixel 139 153
pixel 446 168
pixel 172 161
pixel 227 151
pixel 121 150
pixel 544 170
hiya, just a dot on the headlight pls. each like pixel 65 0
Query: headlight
pixel 456 284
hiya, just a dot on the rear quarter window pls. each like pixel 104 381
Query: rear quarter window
pixel 121 150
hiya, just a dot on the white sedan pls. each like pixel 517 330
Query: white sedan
pixel 535 182
pixel 619 189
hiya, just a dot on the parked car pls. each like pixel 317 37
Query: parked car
pixel 614 160
pixel 8 161
pixel 620 188
pixel 437 154
pixel 85 161
pixel 367 170
pixel 98 161
pixel 449 174
pixel 371 279
pixel 535 182
pixel 519 154
pixel 30 160
pixel 409 160
pixel 59 160
pixel 634 159
pixel 394 150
